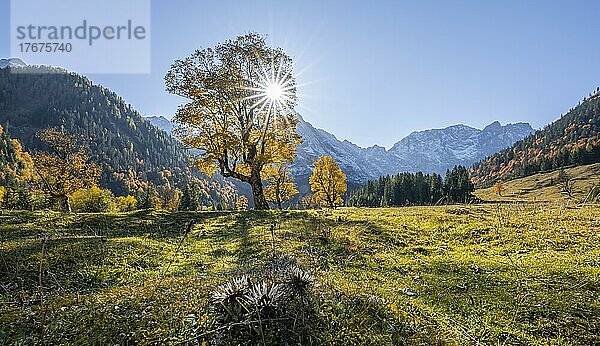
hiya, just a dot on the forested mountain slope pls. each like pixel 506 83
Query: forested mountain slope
pixel 130 149
pixel 574 139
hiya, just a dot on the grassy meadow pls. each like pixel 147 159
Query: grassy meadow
pixel 546 187
pixel 495 274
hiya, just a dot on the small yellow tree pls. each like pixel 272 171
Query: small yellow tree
pixel 241 203
pixel 328 182
pixel 498 188
pixel 2 193
pixel 64 168
pixel 281 187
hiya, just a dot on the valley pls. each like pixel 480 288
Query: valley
pixel 219 215
pixel 432 151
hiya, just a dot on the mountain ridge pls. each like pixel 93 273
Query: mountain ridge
pixel 454 145
pixel 11 62
pixel 436 150
pixel 161 122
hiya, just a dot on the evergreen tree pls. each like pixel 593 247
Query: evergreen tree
pixel 149 199
pixel 190 199
pixel 413 189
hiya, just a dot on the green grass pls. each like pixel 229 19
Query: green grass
pixel 544 187
pixel 511 274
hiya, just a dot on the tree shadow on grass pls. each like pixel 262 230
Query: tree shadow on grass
pixel 243 232
pixel 62 265
pixel 17 217
pixel 78 247
pixel 146 223
pixel 79 244
pixel 264 237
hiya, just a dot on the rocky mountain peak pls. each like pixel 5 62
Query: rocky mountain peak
pixel 11 62
pixel 429 151
pixel 495 126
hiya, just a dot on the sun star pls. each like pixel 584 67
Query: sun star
pixel 273 91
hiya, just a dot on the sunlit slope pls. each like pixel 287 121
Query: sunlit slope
pixel 546 186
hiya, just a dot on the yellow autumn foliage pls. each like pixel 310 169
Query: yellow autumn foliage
pixel 328 182
pixel 280 183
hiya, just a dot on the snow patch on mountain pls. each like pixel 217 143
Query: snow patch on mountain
pixel 11 62
pixel 161 122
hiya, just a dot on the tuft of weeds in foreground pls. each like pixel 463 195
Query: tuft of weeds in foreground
pixel 258 310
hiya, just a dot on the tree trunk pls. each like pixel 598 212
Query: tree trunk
pixel 63 204
pixel 260 202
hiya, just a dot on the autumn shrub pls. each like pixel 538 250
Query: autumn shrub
pixel 17 198
pixel 126 203
pixel 93 200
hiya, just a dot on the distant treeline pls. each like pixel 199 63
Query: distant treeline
pixel 414 189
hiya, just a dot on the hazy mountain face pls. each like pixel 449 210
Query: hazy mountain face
pixel 161 122
pixel 440 149
pixel 11 62
pixel 428 151
pixel 358 163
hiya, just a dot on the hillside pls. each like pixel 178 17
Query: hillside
pixel 462 275
pixel 15 163
pixel 130 149
pixel 574 139
pixel 546 186
pixel 117 135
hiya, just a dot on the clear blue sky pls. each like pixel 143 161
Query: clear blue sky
pixel 378 70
